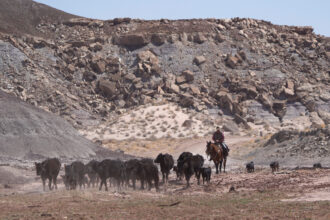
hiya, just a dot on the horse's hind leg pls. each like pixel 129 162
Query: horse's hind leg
pixel 216 168
pixel 224 165
pixel 220 165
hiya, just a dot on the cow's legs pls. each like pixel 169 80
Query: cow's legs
pixel 103 181
pixel 198 176
pixel 166 177
pixel 163 177
pixel 55 181
pixel 134 181
pixel 50 183
pixel 187 179
pixel 44 184
pixel 142 184
pixel 150 184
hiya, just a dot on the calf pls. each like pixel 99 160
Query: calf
pixel 274 166
pixel 111 169
pixel 206 174
pixel 166 164
pixel 317 165
pixel 178 174
pixel 75 175
pixel 250 167
pixel 92 174
pixel 48 169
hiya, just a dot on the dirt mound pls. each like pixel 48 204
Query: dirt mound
pixel 27 132
pixel 23 16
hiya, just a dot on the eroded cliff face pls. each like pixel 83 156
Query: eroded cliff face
pixel 259 75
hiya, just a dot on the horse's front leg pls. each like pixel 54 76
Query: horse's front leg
pixel 216 168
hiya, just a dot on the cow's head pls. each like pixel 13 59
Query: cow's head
pixel 67 169
pixel 66 182
pixel 39 168
pixel 159 158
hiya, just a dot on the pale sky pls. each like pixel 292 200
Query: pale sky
pixel 315 13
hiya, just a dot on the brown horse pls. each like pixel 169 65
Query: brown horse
pixel 216 154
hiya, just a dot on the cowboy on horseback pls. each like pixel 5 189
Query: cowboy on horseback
pixel 219 138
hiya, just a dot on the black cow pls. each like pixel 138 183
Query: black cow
pixel 317 165
pixel 178 174
pixel 92 174
pixel 206 174
pixel 149 172
pixel 48 169
pixel 183 156
pixel 111 169
pixel 274 166
pixel 74 175
pixel 131 167
pixel 198 162
pixel 188 164
pixel 166 164
pixel 250 167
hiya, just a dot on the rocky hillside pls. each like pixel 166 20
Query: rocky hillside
pixel 296 148
pixel 251 73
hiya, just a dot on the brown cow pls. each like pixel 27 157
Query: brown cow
pixel 48 169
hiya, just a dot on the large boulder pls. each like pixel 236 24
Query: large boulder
pixel 98 66
pixel 186 101
pixel 199 38
pixel 232 61
pixel 107 89
pixel 279 107
pixel 188 75
pixel 132 40
pixel 148 64
pixel 325 116
pixel 158 39
pixel 89 76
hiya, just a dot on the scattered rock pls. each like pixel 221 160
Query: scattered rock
pixel 199 60
pixel 232 61
pixel 187 123
pixel 317 122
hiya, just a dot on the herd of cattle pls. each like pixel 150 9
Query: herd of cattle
pixel 123 173
pixel 126 173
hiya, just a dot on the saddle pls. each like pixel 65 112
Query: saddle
pixel 224 148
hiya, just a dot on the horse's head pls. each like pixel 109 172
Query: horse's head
pixel 208 148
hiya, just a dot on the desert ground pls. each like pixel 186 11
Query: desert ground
pixel 290 193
